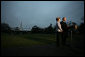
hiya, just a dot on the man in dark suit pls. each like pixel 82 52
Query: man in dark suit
pixel 65 31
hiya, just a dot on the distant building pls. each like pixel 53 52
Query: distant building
pixel 21 28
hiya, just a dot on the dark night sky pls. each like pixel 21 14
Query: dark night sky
pixel 40 13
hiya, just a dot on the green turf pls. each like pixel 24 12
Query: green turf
pixel 12 40
pixel 9 40
pixel 26 40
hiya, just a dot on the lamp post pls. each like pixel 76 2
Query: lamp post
pixel 71 37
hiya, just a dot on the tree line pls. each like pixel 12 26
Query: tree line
pixel 35 29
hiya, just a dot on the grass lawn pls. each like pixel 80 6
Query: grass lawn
pixel 11 40
pixel 11 44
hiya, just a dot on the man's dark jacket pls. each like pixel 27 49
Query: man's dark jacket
pixel 64 26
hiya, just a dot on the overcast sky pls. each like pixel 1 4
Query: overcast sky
pixel 40 13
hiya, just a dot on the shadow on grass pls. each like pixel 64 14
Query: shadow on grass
pixel 41 40
pixel 43 51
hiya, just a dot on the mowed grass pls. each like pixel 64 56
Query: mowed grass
pixel 26 40
pixel 20 40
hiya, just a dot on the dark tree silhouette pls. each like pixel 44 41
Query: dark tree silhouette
pixel 81 26
pixel 35 29
pixel 5 27
pixel 17 29
pixel 49 29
